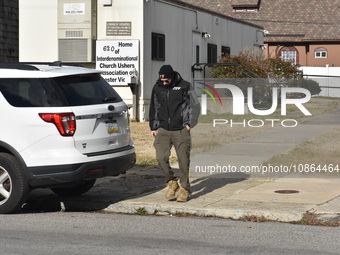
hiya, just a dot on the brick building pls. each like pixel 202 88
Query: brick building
pixel 305 32
pixel 9 27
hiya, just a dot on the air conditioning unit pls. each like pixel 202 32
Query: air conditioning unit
pixel 75 45
pixel 76 30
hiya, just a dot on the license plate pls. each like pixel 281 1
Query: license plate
pixel 112 126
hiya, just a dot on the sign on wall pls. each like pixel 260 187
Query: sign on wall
pixel 118 28
pixel 118 59
pixel 74 8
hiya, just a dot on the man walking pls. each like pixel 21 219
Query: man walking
pixel 174 110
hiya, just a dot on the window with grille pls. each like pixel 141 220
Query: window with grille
pixel 289 56
pixel 320 53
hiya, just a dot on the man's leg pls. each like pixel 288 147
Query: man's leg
pixel 182 143
pixel 163 146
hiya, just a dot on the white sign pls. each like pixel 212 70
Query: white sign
pixel 118 59
pixel 74 9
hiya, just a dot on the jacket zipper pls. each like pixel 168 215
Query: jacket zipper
pixel 168 101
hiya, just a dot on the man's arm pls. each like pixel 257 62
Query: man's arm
pixel 194 109
pixel 153 114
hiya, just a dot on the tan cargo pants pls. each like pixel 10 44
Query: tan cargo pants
pixel 181 140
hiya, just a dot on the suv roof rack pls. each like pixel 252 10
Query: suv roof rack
pixel 59 63
pixel 56 63
pixel 29 66
pixel 19 66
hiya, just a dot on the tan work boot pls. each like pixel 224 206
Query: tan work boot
pixel 172 189
pixel 184 195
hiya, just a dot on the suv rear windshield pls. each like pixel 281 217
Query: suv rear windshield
pixel 74 90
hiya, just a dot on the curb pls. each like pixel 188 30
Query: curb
pixel 305 218
pixel 238 214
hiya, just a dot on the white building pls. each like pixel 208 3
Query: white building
pixel 128 37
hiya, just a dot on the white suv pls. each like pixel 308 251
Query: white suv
pixel 61 128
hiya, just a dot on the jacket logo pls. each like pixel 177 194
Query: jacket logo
pixel 176 88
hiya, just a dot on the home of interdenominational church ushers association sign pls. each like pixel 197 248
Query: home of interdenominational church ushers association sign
pixel 118 59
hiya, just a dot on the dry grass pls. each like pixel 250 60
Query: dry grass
pixel 140 134
pixel 323 148
pixel 203 135
pixel 320 152
pixel 312 219
pixel 254 218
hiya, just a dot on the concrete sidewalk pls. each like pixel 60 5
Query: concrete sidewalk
pixel 218 190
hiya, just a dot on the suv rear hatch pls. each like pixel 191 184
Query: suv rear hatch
pixel 99 130
pixel 100 113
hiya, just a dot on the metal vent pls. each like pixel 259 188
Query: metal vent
pixel 73 50
pixel 74 34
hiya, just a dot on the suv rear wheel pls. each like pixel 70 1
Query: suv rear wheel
pixel 13 184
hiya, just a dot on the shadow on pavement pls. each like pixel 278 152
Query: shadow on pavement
pixel 204 185
pixel 106 191
pixel 110 190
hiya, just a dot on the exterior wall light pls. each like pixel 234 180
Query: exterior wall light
pixel 264 32
pixel 206 35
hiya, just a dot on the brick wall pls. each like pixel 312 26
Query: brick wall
pixel 9 31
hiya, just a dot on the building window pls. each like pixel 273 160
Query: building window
pixel 225 51
pixel 289 54
pixel 245 9
pixel 239 9
pixel 320 53
pixel 251 9
pixel 158 47
pixel 212 53
pixel 197 53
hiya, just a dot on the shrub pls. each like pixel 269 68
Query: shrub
pixel 251 64
pixel 311 85
pixel 246 64
pixel 273 71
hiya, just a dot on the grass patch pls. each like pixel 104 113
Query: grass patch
pixel 146 154
pixel 254 218
pixel 142 211
pixel 320 154
pixel 312 219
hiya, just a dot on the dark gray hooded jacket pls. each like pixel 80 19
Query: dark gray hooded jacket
pixel 173 106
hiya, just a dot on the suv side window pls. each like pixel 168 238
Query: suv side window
pixel 25 92
pixel 72 90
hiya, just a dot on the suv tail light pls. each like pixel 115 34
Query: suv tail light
pixel 65 122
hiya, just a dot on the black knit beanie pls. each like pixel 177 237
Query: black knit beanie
pixel 166 72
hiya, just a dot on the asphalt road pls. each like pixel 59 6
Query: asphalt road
pixel 99 233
